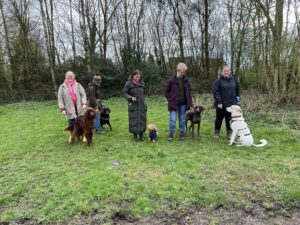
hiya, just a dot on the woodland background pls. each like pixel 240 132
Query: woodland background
pixel 42 39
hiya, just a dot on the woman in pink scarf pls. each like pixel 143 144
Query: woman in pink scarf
pixel 71 98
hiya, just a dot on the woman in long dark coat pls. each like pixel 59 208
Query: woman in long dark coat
pixel 137 108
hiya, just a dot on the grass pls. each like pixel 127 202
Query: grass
pixel 44 179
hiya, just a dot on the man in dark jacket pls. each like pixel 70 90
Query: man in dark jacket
pixel 94 100
pixel 178 95
pixel 226 93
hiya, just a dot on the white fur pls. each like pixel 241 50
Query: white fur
pixel 239 127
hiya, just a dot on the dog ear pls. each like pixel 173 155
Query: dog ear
pixel 201 108
pixel 229 109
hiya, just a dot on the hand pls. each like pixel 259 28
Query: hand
pixel 133 99
pixel 83 107
pixel 64 112
pixel 97 109
pixel 220 106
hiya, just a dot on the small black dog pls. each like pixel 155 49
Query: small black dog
pixel 195 117
pixel 105 117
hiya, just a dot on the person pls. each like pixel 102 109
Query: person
pixel 134 93
pixel 179 97
pixel 94 100
pixel 226 92
pixel 71 99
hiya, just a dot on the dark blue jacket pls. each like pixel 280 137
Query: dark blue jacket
pixel 226 91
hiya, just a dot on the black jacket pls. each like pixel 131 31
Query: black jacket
pixel 137 110
pixel 94 96
pixel 226 91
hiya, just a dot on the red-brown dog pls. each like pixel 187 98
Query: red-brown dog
pixel 83 127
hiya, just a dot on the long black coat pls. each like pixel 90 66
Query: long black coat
pixel 137 110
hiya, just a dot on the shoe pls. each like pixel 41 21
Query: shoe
pixel 229 133
pixel 217 134
pixel 182 136
pixel 141 137
pixel 101 132
pixel 171 137
pixel 134 137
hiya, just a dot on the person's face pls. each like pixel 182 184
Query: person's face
pixel 97 80
pixel 70 77
pixel 137 77
pixel 226 71
pixel 180 71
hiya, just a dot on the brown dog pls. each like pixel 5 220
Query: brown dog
pixel 194 116
pixel 83 127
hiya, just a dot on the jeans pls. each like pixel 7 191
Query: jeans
pixel 220 114
pixel 97 124
pixel 70 122
pixel 181 117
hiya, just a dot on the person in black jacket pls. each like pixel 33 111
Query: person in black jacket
pixel 226 93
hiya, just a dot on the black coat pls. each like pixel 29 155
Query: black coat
pixel 226 91
pixel 137 110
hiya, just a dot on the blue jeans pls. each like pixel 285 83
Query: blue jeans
pixel 97 124
pixel 181 117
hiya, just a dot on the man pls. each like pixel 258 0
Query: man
pixel 226 93
pixel 95 101
pixel 178 95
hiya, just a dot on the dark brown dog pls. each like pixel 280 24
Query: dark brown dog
pixel 105 117
pixel 194 116
pixel 83 127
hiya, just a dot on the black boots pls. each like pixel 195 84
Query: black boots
pixel 135 137
pixel 217 134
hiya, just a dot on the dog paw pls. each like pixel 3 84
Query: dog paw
pixel 230 143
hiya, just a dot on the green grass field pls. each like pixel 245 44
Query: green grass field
pixel 44 179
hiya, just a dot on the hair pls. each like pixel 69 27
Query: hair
pixel 135 72
pixel 68 72
pixel 183 65
pixel 226 66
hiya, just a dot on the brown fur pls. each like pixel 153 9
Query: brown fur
pixel 194 116
pixel 83 126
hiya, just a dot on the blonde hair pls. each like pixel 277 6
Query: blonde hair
pixel 69 73
pixel 182 65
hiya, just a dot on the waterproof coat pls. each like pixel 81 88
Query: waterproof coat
pixel 94 100
pixel 172 93
pixel 226 91
pixel 137 110
pixel 65 100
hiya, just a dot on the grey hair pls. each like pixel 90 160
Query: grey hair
pixel 182 65
pixel 68 72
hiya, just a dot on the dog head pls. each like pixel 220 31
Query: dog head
pixel 235 110
pixel 106 111
pixel 90 113
pixel 152 127
pixel 198 108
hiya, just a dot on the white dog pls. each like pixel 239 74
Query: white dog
pixel 239 127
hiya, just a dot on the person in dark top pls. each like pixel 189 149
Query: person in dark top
pixel 134 93
pixel 226 93
pixel 179 97
pixel 94 100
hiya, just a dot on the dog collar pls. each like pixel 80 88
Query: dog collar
pixel 236 117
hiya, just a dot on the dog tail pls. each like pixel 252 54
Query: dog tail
pixel 262 143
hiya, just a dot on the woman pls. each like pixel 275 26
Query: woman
pixel 226 93
pixel 137 108
pixel 71 98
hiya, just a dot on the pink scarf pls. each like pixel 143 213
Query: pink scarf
pixel 71 87
pixel 135 82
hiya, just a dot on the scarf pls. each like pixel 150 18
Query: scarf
pixel 71 87
pixel 135 82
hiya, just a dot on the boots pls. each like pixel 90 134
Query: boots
pixel 229 133
pixel 134 137
pixel 217 134
pixel 181 136
pixel 141 137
